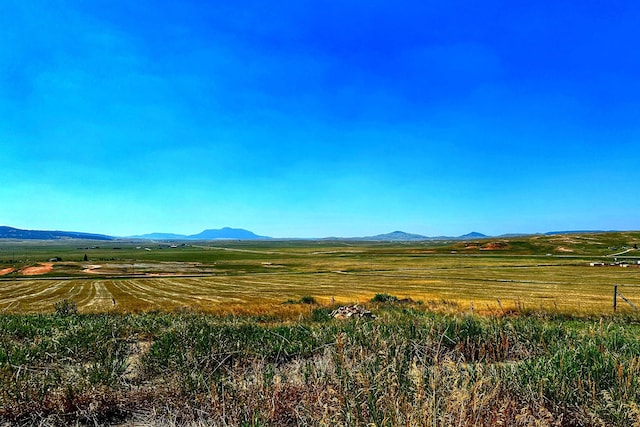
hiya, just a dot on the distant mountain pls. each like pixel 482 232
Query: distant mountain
pixel 401 236
pixel 16 233
pixel 211 234
pixel 160 236
pixel 473 235
pixel 226 233
pixel 553 233
pixel 396 235
pixel 509 235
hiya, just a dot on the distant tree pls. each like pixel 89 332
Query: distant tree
pixel 635 246
pixel 85 257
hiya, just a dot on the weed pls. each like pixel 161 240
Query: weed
pixel 66 308
pixel 384 298
pixel 308 299
pixel 321 314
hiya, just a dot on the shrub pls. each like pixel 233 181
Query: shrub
pixel 384 298
pixel 66 307
pixel 321 314
pixel 308 299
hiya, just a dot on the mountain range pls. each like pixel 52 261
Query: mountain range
pixel 228 233
pixel 16 233
pixel 241 234
pixel 402 236
pixel 211 234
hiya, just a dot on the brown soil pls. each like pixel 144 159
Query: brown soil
pixel 43 268
pixel 6 271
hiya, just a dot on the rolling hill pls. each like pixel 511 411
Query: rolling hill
pixel 209 234
pixel 17 233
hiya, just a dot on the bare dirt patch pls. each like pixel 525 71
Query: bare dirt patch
pixel 92 269
pixel 7 271
pixel 563 249
pixel 43 268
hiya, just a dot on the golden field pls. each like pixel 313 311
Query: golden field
pixel 550 273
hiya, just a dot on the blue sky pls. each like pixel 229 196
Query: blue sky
pixel 319 118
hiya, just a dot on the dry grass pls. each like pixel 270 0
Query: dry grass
pixel 484 285
pixel 407 367
pixel 258 277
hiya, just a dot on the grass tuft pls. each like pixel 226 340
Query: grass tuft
pixel 384 298
pixel 66 308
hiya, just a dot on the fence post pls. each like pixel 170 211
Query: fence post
pixel 615 297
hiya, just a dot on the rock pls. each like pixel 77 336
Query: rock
pixel 348 311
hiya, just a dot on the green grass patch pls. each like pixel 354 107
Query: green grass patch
pixel 409 366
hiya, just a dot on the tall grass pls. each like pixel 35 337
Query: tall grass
pixel 407 367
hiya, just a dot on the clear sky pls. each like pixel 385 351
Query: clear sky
pixel 296 118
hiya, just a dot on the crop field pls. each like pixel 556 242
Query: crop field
pixel 550 273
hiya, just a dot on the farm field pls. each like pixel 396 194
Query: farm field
pixel 550 273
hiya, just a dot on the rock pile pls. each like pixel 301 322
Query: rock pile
pixel 348 311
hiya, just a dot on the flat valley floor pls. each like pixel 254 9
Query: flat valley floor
pixel 567 274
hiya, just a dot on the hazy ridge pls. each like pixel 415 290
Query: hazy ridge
pixel 228 233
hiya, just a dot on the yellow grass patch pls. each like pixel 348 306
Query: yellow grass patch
pixel 260 281
pixel 492 288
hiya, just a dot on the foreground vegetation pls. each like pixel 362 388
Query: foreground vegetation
pixel 408 366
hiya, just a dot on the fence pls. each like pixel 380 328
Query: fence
pixel 617 293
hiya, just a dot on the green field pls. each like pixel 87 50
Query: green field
pixel 550 273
